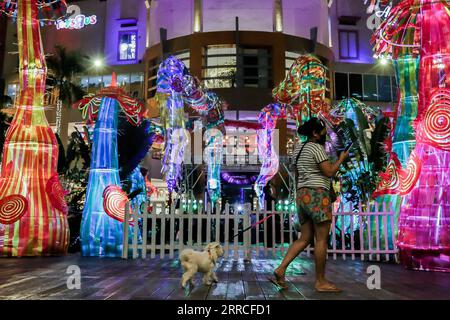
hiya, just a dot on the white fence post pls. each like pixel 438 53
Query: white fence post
pixel 144 230
pixel 135 215
pixel 247 236
pixel 227 230
pixel 125 224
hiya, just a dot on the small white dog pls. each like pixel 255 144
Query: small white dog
pixel 204 262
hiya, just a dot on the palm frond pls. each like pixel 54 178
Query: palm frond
pixel 378 157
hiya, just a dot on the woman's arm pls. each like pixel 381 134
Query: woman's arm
pixel 329 169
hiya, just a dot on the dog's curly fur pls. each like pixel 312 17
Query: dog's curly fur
pixel 204 262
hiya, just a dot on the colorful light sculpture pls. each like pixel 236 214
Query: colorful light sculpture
pixel 399 39
pixel 305 82
pixel 33 212
pixel 138 185
pixel 266 149
pixel 176 87
pixel 423 238
pixel 101 225
pixel 170 99
pixel 209 106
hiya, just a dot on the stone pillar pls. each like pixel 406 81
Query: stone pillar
pixel 277 16
pixel 198 16
pixel 148 5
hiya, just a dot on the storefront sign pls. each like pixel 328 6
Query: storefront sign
pixel 76 20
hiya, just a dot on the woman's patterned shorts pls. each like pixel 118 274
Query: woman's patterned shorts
pixel 314 204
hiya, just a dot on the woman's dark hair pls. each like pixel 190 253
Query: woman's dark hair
pixel 308 128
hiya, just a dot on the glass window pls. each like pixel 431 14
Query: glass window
pixel 95 82
pixel 136 85
pixel 123 80
pixel 12 90
pixel 84 82
pixel 256 68
pixel 394 89
pixel 341 83
pixel 221 50
pixel 219 69
pixel 127 45
pixel 221 61
pixel 293 55
pixel 137 78
pixel 219 83
pixel 107 80
pixel 184 57
pixel 384 88
pixel 355 85
pixel 220 72
pixel 348 44
pixel 370 88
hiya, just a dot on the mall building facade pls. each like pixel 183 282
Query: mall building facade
pixel 240 49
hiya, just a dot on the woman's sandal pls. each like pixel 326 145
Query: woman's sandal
pixel 278 281
pixel 329 288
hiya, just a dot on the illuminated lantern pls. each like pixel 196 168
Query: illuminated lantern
pixel 174 87
pixel 423 225
pixel 305 81
pixel 101 226
pixel 170 101
pixel 209 106
pixel 33 212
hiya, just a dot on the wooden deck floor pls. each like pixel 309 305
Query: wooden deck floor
pixel 46 278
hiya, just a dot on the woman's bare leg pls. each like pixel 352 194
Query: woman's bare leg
pixel 321 233
pixel 307 232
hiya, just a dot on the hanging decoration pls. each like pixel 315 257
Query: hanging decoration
pixel 101 226
pixel 33 212
pixel 238 179
pixel 424 27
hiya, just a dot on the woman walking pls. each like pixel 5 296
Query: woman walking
pixel 313 202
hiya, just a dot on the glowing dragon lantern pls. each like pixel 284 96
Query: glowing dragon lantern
pixel 208 105
pixel 170 99
pixel 423 238
pixel 33 212
pixel 101 226
pixel 305 81
pixel 266 149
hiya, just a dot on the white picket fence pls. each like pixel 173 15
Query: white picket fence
pixel 164 231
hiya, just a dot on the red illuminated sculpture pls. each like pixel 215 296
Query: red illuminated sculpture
pixel 33 212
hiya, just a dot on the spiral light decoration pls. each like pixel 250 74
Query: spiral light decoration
pixel 114 203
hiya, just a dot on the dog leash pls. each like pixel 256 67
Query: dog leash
pixel 254 225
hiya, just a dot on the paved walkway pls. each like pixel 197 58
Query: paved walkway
pixel 46 278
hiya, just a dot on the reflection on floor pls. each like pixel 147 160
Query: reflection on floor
pixel 46 278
